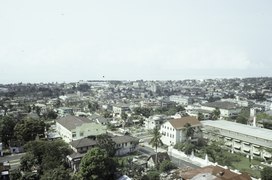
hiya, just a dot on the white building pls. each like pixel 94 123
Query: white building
pixel 173 130
pixel 227 109
pixel 119 109
pixel 239 137
pixel 182 100
pixel 73 128
pixel 153 121
pixel 64 111
pixel 125 144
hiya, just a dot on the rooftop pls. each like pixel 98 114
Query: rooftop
pixel 124 139
pixel 181 122
pixel 240 128
pixel 71 122
pixel 214 172
pixel 84 142
pixel 222 105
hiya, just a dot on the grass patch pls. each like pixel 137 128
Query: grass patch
pixel 244 166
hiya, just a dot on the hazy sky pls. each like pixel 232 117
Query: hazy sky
pixel 65 40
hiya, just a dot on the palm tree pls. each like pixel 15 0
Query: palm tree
pixel 156 140
pixel 215 114
pixel 189 131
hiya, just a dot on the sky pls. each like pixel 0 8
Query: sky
pixel 68 41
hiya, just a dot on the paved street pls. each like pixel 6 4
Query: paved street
pixel 13 159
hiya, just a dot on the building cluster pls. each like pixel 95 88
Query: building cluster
pixel 86 109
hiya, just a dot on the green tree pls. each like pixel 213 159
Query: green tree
pixel 266 173
pixel 146 112
pixel 219 155
pixel 107 114
pixel 7 125
pixel 51 115
pixel 215 114
pixel 188 131
pixel 166 166
pixel 45 155
pixel 156 140
pixel 124 116
pixel 241 119
pixel 200 116
pixel 27 162
pixel 105 142
pixel 93 106
pixel 56 174
pixel 151 175
pixel 243 116
pixel 15 174
pixel 28 129
pixel 96 164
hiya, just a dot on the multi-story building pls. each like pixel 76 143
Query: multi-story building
pixel 72 128
pixel 227 109
pixel 182 100
pixel 173 131
pixel 239 137
pixel 121 108
pixel 153 121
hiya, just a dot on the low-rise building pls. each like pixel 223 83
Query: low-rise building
pixel 227 109
pixel 239 137
pixel 154 121
pixel 182 100
pixel 73 128
pixel 120 108
pixel 123 145
pixel 65 111
pixel 213 172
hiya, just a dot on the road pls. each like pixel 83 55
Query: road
pixel 14 160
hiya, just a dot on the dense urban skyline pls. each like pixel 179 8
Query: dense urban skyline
pixel 156 40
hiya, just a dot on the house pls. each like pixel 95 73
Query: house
pixel 227 109
pixel 240 138
pixel 120 108
pixel 162 156
pixel 64 111
pixel 83 145
pixel 73 128
pixel 196 112
pixel 16 146
pixel 182 100
pixel 153 121
pixel 99 119
pixel 213 172
pixel 173 130
pixel 125 144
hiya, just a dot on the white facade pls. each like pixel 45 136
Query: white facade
pixel 173 130
pixel 224 113
pixel 170 136
pixel 120 109
pixel 154 121
pixel 84 130
pixel 182 100
pixel 239 137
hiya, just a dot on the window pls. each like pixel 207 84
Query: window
pixel 81 133
pixel 73 134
